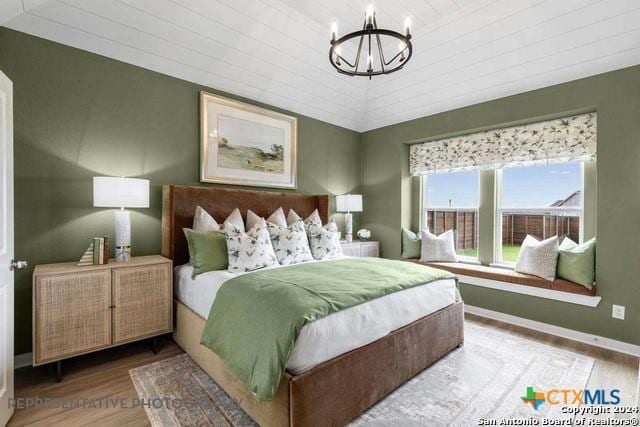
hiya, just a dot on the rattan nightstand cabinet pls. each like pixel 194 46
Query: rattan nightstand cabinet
pixel 72 314
pixel 78 310
pixel 142 301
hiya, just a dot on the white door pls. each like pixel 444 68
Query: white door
pixel 6 248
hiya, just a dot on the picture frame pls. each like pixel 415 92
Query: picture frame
pixel 242 144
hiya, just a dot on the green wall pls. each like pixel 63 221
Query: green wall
pixel 78 115
pixel 616 98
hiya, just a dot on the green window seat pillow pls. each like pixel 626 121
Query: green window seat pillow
pixel 411 244
pixel 576 263
pixel 207 251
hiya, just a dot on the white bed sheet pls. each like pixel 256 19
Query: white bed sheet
pixel 337 333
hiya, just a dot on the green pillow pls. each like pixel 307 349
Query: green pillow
pixel 411 244
pixel 576 263
pixel 207 251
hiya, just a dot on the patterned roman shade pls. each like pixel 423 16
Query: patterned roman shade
pixel 553 141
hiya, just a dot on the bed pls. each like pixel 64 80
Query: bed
pixel 333 374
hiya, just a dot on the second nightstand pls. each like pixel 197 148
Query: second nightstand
pixel 359 248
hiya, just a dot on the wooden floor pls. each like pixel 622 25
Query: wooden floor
pixel 106 375
pixel 101 375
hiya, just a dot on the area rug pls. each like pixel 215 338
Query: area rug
pixel 486 378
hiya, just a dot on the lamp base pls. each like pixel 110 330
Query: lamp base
pixel 123 253
pixel 348 227
pixel 123 236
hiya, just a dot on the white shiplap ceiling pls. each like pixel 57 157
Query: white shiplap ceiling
pixel 275 51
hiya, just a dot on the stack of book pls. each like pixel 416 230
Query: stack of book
pixel 97 253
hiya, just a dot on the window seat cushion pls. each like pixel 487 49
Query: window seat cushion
pixel 509 276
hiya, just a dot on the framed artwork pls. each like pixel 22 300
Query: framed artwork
pixel 243 144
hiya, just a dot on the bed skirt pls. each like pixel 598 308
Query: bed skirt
pixel 340 389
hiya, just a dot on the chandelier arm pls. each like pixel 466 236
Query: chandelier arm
pixel 333 52
pixel 380 53
pixel 395 57
pixel 359 52
pixel 345 61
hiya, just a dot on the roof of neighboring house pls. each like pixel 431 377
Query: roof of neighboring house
pixel 574 199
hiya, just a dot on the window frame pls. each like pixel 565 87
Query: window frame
pixel 424 206
pixel 497 260
pixel 489 224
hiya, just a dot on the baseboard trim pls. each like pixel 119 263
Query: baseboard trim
pixel 22 360
pixel 595 340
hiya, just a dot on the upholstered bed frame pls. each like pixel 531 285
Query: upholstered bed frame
pixel 336 391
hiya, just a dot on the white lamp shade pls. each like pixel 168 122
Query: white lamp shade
pixel 120 192
pixel 349 203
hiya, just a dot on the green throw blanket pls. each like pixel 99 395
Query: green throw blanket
pixel 256 317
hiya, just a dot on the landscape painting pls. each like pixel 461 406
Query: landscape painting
pixel 246 145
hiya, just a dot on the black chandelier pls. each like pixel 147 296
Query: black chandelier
pixel 376 40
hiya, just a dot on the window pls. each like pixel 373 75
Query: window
pixel 451 203
pixel 542 201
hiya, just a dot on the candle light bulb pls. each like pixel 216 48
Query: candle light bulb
pixel 407 26
pixel 369 14
pixel 334 30
pixel 369 61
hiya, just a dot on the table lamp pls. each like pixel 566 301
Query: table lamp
pixel 121 192
pixel 349 203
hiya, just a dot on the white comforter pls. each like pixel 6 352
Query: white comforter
pixel 339 332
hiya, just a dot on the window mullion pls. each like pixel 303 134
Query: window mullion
pixel 486 221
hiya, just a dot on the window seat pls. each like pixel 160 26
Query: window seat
pixel 509 276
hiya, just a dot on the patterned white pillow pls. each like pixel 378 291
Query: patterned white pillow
pixel 277 218
pixel 203 222
pixel 290 243
pixel 234 221
pixel 250 251
pixel 314 218
pixel 325 241
pixel 538 258
pixel 252 219
pixel 293 217
pixel 438 248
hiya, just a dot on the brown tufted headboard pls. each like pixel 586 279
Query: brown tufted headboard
pixel 179 204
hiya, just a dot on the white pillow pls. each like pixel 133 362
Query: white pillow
pixel 234 220
pixel 250 251
pixel 293 217
pixel 314 218
pixel 276 218
pixel 203 222
pixel 438 248
pixel 290 243
pixel 567 244
pixel 538 258
pixel 325 241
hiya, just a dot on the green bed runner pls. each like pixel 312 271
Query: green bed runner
pixel 256 317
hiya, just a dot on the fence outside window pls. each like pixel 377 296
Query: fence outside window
pixel 517 223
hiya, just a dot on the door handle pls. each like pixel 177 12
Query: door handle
pixel 17 265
